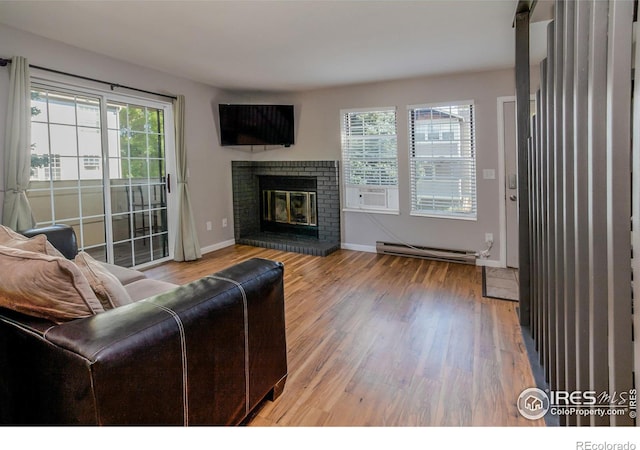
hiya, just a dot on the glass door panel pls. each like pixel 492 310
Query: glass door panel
pixel 138 192
pixel 67 183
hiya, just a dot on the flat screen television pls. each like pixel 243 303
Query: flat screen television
pixel 256 125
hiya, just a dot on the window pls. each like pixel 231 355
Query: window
pixel 91 162
pixel 443 160
pixel 370 160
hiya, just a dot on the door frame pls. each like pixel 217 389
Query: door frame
pixel 502 193
pixel 57 81
pixel 170 168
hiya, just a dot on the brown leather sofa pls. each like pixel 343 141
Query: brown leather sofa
pixel 205 353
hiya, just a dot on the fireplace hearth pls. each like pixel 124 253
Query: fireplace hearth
pixel 287 205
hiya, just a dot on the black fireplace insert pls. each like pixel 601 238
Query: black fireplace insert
pixel 289 205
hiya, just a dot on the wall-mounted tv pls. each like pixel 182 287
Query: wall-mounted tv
pixel 256 125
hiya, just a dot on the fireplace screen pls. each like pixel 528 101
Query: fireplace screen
pixel 290 207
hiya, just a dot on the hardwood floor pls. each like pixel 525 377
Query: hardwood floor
pixel 378 340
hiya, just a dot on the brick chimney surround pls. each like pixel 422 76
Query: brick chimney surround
pixel 247 206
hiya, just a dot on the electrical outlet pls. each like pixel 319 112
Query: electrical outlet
pixel 488 237
pixel 224 223
pixel 209 226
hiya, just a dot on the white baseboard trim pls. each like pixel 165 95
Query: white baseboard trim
pixel 358 247
pixel 488 263
pixel 218 246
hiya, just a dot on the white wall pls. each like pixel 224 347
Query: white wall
pixel 317 138
pixel 209 165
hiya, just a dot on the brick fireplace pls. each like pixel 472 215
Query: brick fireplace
pixel 287 205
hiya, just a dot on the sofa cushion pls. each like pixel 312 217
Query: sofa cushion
pixel 124 275
pixel 105 285
pixel 38 243
pixel 142 289
pixel 50 287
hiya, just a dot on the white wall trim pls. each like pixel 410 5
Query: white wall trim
pixel 359 248
pixel 218 246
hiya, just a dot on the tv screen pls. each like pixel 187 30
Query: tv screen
pixel 256 125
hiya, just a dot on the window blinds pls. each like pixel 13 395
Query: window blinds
pixel 442 160
pixel 369 148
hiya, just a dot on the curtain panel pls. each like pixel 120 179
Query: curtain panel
pixel 187 247
pixel 16 213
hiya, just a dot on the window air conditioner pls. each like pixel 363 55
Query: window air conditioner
pixel 373 197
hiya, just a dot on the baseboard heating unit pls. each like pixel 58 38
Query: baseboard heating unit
pixel 414 251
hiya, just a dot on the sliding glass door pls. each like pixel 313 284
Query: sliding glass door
pixel 138 183
pixel 100 164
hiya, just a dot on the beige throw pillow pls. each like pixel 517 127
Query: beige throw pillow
pixel 49 287
pixel 105 285
pixel 38 243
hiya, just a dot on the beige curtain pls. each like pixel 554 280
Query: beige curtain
pixel 187 246
pixel 16 211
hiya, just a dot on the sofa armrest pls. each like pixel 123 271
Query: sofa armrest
pixel 203 353
pixel 61 236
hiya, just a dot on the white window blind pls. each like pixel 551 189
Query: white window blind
pixel 443 160
pixel 370 159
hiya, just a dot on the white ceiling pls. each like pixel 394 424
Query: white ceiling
pixel 283 45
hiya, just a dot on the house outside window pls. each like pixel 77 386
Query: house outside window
pixel 443 160
pixel 370 160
